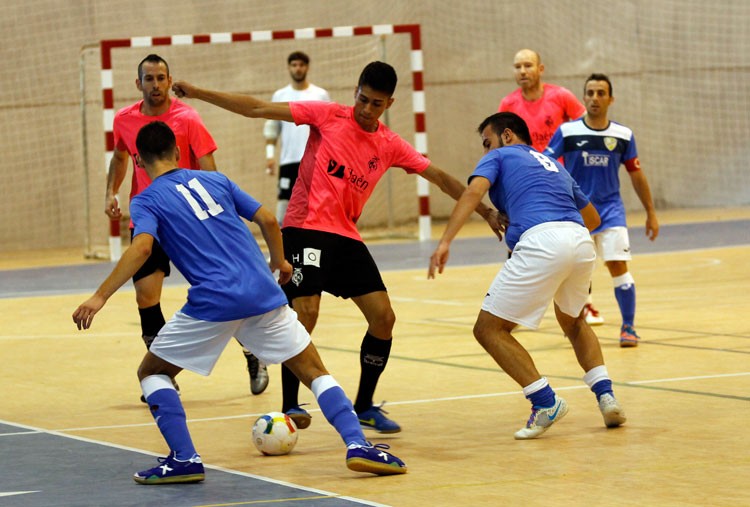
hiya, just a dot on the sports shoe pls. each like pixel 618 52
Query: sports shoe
pixel 592 315
pixel 258 374
pixel 628 337
pixel 593 318
pixel 171 471
pixel 300 416
pixel 176 388
pixel 613 414
pixel 542 418
pixel 374 419
pixel 373 459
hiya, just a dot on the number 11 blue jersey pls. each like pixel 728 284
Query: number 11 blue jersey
pixel 195 217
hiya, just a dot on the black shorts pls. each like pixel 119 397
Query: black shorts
pixel 328 262
pixel 287 176
pixel 158 260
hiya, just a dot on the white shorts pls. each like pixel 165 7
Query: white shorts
pixel 613 244
pixel 553 260
pixel 196 345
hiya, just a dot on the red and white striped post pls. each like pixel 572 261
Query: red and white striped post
pixel 418 99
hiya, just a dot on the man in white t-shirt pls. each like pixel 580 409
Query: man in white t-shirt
pixel 293 137
pixel 293 142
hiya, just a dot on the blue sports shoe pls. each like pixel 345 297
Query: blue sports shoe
pixel 171 471
pixel 300 416
pixel 373 459
pixel 374 419
pixel 542 418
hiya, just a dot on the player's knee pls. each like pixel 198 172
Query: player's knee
pixel 381 324
pixel 480 333
pixel 307 314
pixel 388 319
pixel 146 298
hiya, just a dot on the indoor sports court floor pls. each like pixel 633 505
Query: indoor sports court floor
pixel 72 429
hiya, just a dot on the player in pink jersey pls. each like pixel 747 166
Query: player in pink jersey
pixel 347 152
pixel 196 149
pixel 544 107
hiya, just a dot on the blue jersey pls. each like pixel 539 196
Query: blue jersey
pixel 195 217
pixel 593 158
pixel 530 188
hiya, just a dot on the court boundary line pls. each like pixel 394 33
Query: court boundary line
pixel 59 433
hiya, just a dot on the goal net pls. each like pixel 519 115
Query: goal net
pixel 255 63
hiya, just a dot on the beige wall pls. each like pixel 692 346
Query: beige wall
pixel 680 72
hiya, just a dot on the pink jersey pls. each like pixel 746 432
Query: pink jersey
pixel 192 136
pixel 556 106
pixel 341 166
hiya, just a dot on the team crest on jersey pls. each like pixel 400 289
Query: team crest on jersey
pixel 610 143
pixel 297 276
pixel 372 165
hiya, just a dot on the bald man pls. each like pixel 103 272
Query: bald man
pixel 543 106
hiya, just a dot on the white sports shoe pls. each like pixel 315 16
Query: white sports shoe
pixel 542 418
pixel 593 318
pixel 612 412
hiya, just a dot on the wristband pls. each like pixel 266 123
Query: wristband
pixel 270 151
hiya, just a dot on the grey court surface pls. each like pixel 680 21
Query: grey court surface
pixel 43 469
pixel 83 278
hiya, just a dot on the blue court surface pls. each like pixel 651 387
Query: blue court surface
pixel 45 469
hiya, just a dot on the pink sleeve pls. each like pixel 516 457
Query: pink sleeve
pixel 201 141
pixel 119 142
pixel 310 112
pixel 408 158
pixel 503 105
pixel 572 107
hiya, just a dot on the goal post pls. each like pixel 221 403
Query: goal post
pixel 108 48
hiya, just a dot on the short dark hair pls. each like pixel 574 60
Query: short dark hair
pixel 507 120
pixel 379 76
pixel 152 58
pixel 598 77
pixel 298 55
pixel 155 141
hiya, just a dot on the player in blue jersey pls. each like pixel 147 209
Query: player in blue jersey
pixel 195 217
pixel 593 149
pixel 553 257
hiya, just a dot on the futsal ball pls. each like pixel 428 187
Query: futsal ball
pixel 274 434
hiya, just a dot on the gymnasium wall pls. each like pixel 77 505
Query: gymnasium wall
pixel 680 71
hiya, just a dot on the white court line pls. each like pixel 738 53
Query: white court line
pixel 321 492
pixel 416 402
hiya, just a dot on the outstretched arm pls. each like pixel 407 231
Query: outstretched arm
pixel 130 262
pixel 642 189
pixel 454 188
pixel 269 227
pixel 466 204
pixel 245 105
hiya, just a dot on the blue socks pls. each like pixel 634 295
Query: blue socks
pixel 540 394
pixel 167 410
pixel 338 409
pixel 625 295
pixel 597 379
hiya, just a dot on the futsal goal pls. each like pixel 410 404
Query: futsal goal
pixel 255 63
